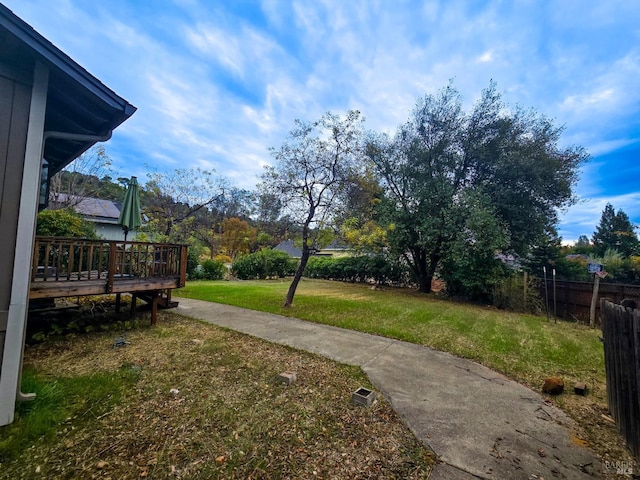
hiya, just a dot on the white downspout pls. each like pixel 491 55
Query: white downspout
pixel 28 208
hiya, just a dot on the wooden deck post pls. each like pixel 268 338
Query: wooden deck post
pixel 34 263
pixel 183 265
pixel 134 301
pixel 154 307
pixel 111 268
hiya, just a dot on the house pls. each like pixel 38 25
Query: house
pixel 334 249
pixel 290 248
pixel 52 110
pixel 103 214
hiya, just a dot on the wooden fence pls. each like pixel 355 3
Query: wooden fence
pixel 572 300
pixel 621 332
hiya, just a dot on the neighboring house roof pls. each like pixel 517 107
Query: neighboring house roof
pixel 94 209
pixel 287 246
pixel 98 210
pixel 77 102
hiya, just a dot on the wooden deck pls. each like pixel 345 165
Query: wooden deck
pixel 69 267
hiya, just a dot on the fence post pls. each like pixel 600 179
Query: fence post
pixel 555 305
pixel 635 335
pixel 546 290
pixel 594 301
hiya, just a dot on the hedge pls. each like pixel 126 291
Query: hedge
pixel 264 264
pixel 358 269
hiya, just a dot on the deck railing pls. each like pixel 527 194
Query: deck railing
pixel 58 259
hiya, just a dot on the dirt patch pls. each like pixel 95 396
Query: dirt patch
pixel 599 433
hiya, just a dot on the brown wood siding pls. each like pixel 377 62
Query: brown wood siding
pixel 15 98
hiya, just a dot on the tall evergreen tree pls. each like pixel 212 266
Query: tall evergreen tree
pixel 583 245
pixel 583 241
pixel 615 231
pixel 545 253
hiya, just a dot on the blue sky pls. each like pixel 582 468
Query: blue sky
pixel 218 82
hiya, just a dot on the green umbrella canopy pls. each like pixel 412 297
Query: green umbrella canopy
pixel 130 217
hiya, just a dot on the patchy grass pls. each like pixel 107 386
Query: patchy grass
pixel 189 400
pixel 60 398
pixel 526 348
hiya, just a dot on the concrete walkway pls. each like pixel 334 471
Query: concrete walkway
pixel 479 423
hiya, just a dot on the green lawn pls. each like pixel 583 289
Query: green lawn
pixel 527 348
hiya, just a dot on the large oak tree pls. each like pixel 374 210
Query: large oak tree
pixel 455 182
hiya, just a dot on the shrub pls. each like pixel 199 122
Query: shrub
pixel 318 267
pixel 473 274
pixel 509 294
pixel 570 269
pixel 223 258
pixel 213 270
pixel 64 223
pixel 197 274
pixel 192 261
pixel 263 264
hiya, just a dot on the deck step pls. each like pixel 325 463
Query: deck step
pixel 163 301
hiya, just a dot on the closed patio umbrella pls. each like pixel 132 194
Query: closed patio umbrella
pixel 130 217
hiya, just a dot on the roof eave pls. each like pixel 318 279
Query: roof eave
pixel 57 58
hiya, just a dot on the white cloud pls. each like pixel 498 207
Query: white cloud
pixel 609 146
pixel 593 101
pixel 217 44
pixel 486 57
pixel 608 92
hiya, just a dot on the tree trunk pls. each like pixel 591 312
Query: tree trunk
pixel 425 271
pixel 167 231
pixel 425 283
pixel 306 251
